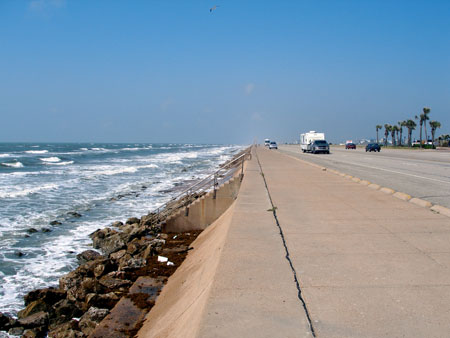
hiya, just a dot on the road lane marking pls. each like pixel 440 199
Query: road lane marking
pixel 391 171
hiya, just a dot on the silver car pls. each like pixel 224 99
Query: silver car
pixel 273 145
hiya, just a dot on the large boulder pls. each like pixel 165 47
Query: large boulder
pixel 34 307
pixel 90 320
pixel 48 295
pixel 6 322
pixel 108 241
pixel 105 301
pixel 132 220
pixel 88 255
pixel 113 284
pixel 67 330
pixel 35 320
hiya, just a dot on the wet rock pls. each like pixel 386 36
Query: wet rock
pixel 55 223
pixel 117 224
pixel 48 295
pixel 6 322
pixel 34 307
pixel 112 283
pixel 104 301
pixel 132 220
pixel 31 230
pixel 19 253
pixel 16 331
pixel 90 320
pixel 35 320
pixel 118 254
pixel 73 214
pixel 108 240
pixel 134 263
pixel 88 255
pixel 66 330
pixel 65 309
pixel 38 332
pixel 70 280
pixel 44 230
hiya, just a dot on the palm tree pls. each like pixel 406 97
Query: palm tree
pixel 387 129
pixel 394 129
pixel 410 125
pixel 378 127
pixel 421 119
pixel 401 125
pixel 434 125
pixel 426 111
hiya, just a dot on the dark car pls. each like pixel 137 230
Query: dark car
pixel 320 146
pixel 373 147
pixel 350 146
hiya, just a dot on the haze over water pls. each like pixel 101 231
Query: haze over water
pixel 42 183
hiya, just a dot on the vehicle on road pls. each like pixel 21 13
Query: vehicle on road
pixel 273 145
pixel 320 146
pixel 266 142
pixel 307 140
pixel 373 147
pixel 350 146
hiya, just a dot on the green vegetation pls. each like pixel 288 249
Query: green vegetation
pixel 396 131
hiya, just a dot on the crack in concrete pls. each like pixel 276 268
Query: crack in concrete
pixel 288 257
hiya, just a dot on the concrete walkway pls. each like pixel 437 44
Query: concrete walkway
pixel 368 264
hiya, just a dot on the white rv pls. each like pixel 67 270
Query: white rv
pixel 307 139
pixel 266 142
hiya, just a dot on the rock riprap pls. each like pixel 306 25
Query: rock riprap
pixel 86 296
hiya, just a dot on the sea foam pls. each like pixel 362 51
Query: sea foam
pixel 13 164
pixel 36 151
pixel 51 159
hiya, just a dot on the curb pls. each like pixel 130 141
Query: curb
pixel 400 195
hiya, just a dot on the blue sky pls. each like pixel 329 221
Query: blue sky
pixel 171 71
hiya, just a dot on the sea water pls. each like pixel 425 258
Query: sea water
pixel 80 188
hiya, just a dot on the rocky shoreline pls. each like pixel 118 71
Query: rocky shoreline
pixel 135 262
pixel 86 295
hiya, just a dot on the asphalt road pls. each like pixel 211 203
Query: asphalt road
pixel 420 173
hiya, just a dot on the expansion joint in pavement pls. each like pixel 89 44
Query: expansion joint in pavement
pixel 288 257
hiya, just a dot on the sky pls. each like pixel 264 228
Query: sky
pixel 172 71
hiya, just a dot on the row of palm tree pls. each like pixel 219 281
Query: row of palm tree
pixel 396 130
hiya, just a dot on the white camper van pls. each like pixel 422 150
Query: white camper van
pixel 307 139
pixel 266 142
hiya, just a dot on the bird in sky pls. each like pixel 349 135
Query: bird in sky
pixel 213 8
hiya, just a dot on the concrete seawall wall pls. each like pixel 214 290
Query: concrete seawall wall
pixel 204 211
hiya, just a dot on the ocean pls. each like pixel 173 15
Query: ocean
pixel 52 196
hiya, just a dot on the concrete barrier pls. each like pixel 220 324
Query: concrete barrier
pixel 356 179
pixel 402 196
pixel 204 211
pixel 364 182
pixel 420 202
pixel 374 186
pixel 440 209
pixel 388 191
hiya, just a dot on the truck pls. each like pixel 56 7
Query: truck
pixel 307 139
pixel 267 142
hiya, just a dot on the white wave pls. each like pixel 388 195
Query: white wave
pixel 84 149
pixel 5 155
pixel 98 149
pixel 60 163
pixel 36 151
pixel 109 171
pixel 13 164
pixel 148 166
pixel 51 159
pixel 130 149
pixel 18 192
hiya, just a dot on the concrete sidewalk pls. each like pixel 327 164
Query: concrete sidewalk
pixel 368 264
